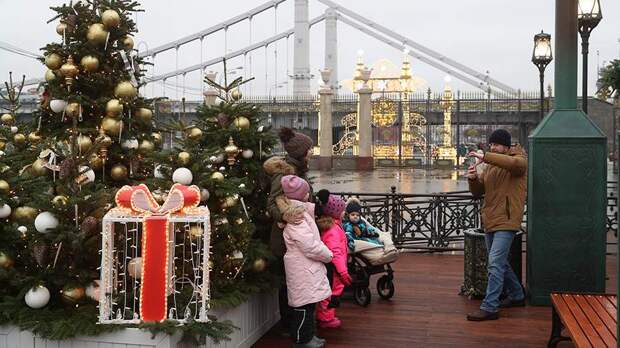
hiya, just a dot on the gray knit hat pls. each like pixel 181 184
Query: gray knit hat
pixel 296 144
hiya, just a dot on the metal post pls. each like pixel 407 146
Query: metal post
pixel 585 38
pixel 458 129
pixel 399 121
pixel 542 93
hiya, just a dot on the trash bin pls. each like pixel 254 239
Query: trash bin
pixel 475 262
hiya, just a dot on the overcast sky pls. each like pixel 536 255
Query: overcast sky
pixel 486 35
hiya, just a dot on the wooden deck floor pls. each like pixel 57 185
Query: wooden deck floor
pixel 427 311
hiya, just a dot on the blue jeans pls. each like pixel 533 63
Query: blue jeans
pixel 501 276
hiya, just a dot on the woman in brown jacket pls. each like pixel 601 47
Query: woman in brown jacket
pixel 298 149
pixel 504 185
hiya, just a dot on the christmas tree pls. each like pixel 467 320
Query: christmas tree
pixel 92 134
pixel 222 152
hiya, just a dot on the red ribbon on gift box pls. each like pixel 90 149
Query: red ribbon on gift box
pixel 155 236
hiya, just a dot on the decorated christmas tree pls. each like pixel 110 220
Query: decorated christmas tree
pixel 222 152
pixel 92 134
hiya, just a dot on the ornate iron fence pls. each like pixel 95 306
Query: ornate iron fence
pixel 436 222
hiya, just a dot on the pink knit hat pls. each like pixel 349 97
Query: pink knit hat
pixel 295 187
pixel 334 206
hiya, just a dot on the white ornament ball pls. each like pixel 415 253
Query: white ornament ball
pixel 2 153
pixel 14 129
pixel 204 195
pixel 22 229
pixel 37 297
pixel 241 186
pixel 182 176
pixel 57 105
pixel 158 173
pixel 247 154
pixel 130 144
pixel 135 267
pixel 218 159
pixel 237 255
pixel 5 211
pixel 92 291
pixel 45 221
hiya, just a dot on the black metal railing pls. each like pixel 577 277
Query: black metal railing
pixel 436 222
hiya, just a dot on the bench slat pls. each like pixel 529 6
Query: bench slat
pixel 570 322
pixel 595 321
pixel 611 310
pixel 602 313
pixel 582 319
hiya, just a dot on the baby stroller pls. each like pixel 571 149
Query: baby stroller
pixel 369 259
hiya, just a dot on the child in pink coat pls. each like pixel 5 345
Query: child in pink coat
pixel 332 234
pixel 306 277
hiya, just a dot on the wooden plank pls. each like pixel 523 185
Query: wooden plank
pixel 611 310
pixel 607 319
pixel 614 300
pixel 570 321
pixel 590 333
pixel 595 321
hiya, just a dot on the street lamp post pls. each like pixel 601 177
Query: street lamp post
pixel 541 57
pixel 588 16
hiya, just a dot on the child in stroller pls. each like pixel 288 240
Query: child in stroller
pixel 371 251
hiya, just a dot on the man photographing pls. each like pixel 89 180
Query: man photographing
pixel 503 184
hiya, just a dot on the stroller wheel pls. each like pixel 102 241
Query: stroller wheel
pixel 385 287
pixel 361 295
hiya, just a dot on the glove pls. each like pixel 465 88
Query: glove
pixel 334 302
pixel 346 279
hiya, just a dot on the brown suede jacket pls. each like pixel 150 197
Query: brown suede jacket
pixel 504 186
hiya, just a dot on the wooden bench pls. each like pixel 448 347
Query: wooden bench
pixel 589 319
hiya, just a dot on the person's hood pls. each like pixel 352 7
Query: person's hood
pixel 278 165
pixel 293 210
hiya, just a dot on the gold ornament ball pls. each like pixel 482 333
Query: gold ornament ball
pixel 127 43
pixel 53 61
pixel 38 168
pixel 125 90
pixel 146 147
pixel 84 142
pixel 7 119
pixel 259 265
pixel 229 202
pixel 61 28
pixel 60 201
pixel 118 172
pixel 157 138
pixel 113 107
pixel 72 109
pixel 236 94
pixel 242 122
pixel 111 126
pixel 73 294
pixel 104 140
pixel 5 260
pixel 69 69
pixel 25 214
pixel 95 162
pixel 217 176
pixel 19 139
pixel 89 63
pixel 194 133
pixel 2 144
pixel 4 186
pixel 184 158
pixel 144 115
pixel 195 232
pixel 96 34
pixel 34 138
pixel 49 76
pixel 110 19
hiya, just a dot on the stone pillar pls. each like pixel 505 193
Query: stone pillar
pixel 364 129
pixel 326 140
pixel 567 183
pixel 331 47
pixel 301 54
